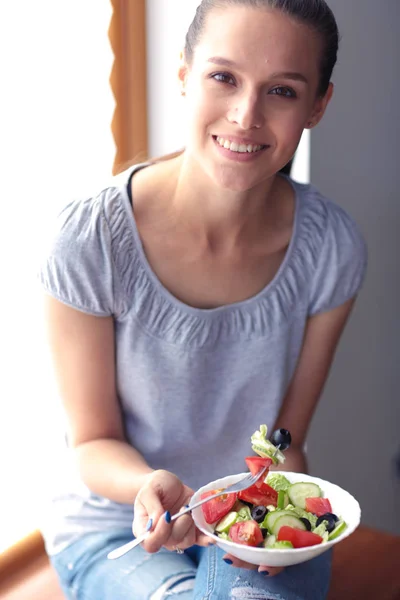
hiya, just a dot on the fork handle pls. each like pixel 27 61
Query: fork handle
pixel 121 550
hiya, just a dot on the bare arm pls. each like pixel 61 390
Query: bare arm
pixel 82 347
pixel 321 339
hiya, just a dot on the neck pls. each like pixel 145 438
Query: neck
pixel 221 216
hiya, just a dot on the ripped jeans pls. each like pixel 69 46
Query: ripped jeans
pixel 85 573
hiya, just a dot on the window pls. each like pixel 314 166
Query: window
pixel 57 144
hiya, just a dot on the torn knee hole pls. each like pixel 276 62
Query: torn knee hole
pixel 251 593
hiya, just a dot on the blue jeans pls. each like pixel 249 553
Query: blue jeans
pixel 198 574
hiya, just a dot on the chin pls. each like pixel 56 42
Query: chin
pixel 237 179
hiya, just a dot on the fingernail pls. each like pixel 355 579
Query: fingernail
pixel 266 573
pixel 167 516
pixel 228 561
pixel 149 524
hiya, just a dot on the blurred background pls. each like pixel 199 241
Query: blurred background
pixel 59 140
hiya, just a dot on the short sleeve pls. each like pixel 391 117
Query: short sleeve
pixel 78 267
pixel 341 264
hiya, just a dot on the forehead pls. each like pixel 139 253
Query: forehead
pixel 259 39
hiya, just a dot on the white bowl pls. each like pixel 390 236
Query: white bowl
pixel 343 505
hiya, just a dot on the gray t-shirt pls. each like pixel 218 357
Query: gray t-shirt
pixel 193 384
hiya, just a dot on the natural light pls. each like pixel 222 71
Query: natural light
pixel 56 144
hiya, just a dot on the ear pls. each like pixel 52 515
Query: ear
pixel 182 72
pixel 320 107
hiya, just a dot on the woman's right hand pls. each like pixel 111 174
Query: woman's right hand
pixel 164 493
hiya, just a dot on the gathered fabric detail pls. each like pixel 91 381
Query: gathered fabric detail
pixel 167 318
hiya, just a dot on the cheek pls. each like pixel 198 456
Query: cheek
pixel 289 125
pixel 204 111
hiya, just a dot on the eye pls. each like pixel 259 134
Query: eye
pixel 223 78
pixel 285 92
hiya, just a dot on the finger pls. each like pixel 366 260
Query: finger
pixel 270 571
pixel 236 562
pixel 148 510
pixel 159 534
pixel 183 533
pixel 180 533
pixel 241 564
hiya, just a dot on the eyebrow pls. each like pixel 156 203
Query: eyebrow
pixel 225 62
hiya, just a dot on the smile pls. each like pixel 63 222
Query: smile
pixel 235 147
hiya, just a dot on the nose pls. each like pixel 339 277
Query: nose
pixel 246 112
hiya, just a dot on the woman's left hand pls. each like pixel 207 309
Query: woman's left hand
pixel 241 564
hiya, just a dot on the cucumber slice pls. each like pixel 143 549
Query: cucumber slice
pixel 298 492
pixel 271 517
pixel 283 499
pixel 268 450
pixel 226 522
pixel 282 545
pixel 290 521
pixel 340 527
pixel 269 541
pixel 263 447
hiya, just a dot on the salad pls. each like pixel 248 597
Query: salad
pixel 273 513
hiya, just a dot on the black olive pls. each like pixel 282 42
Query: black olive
pixel 258 513
pixel 265 532
pixel 306 523
pixel 330 519
pixel 282 438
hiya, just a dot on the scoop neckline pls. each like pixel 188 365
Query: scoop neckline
pixel 208 312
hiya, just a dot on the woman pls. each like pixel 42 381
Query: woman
pixel 202 297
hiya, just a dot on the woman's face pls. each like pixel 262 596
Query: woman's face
pixel 252 86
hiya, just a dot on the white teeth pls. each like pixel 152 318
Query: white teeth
pixel 234 147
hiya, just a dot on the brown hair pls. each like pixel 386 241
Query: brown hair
pixel 314 13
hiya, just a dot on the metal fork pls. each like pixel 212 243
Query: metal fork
pixel 239 486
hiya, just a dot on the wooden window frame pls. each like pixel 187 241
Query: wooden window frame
pixel 128 80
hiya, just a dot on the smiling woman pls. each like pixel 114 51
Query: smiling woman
pixel 188 289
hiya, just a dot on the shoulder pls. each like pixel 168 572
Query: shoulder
pixel 336 247
pixel 332 223
pixel 85 246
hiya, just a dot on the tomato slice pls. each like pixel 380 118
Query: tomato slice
pixel 217 508
pixel 299 538
pixel 260 495
pixel 247 533
pixel 318 506
pixel 255 464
